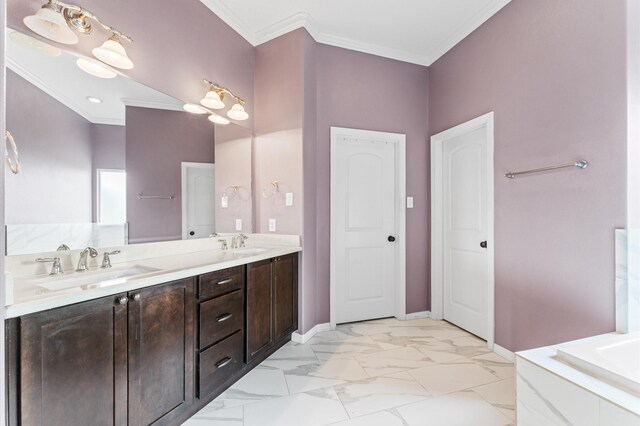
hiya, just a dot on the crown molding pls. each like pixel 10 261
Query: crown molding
pixel 306 21
pixel 59 96
pixel 230 18
pixel 469 27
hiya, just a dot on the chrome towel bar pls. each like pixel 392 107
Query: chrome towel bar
pixel 155 197
pixel 582 164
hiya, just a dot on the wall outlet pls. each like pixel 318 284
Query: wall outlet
pixel 238 224
pixel 409 202
pixel 272 225
pixel 288 199
pixel 225 202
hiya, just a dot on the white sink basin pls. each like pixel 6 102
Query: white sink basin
pixel 92 279
pixel 249 250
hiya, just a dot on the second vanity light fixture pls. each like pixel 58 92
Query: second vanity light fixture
pixel 60 22
pixel 214 99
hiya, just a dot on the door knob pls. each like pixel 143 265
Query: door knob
pixel 192 233
pixel 391 238
pixel 483 244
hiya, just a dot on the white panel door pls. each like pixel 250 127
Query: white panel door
pixel 200 200
pixel 364 221
pixel 465 276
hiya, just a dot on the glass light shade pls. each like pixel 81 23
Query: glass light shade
pixel 95 68
pixel 218 119
pixel 50 24
pixel 111 52
pixel 34 45
pixel 195 109
pixel 237 112
pixel 212 100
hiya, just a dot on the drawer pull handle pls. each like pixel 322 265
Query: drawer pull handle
pixel 223 282
pixel 224 317
pixel 224 362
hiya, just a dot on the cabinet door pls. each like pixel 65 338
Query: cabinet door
pixel 161 352
pixel 73 365
pixel 259 308
pixel 285 277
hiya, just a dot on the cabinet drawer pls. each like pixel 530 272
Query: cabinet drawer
pixel 220 282
pixel 219 363
pixel 220 317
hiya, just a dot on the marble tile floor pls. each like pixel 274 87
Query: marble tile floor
pixel 375 373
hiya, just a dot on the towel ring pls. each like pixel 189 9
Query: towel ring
pixel 14 167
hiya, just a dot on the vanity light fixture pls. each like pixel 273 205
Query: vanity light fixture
pixel 60 21
pixel 95 68
pixel 214 99
pixel 195 109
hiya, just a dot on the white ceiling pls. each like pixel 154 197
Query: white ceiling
pixel 416 31
pixel 61 78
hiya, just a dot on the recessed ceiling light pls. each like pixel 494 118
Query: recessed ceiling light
pixel 94 100
pixel 34 45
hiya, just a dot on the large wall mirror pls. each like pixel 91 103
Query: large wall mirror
pixel 107 162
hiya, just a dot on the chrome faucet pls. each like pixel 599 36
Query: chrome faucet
pixel 106 260
pixel 82 263
pixel 224 244
pixel 56 268
pixel 238 241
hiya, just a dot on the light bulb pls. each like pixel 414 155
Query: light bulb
pixel 218 119
pixel 48 22
pixel 212 100
pixel 95 68
pixel 237 112
pixel 112 52
pixel 195 109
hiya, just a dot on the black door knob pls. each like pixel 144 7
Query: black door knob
pixel 192 233
pixel 483 244
pixel 391 238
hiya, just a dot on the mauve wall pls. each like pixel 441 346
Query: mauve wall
pixel 54 185
pixel 108 152
pixel 362 91
pixel 157 142
pixel 554 73
pixel 176 45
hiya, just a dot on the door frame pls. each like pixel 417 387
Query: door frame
pixel 399 140
pixel 183 195
pixel 437 218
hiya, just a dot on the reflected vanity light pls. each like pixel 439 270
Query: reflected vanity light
pixel 195 109
pixel 275 188
pixel 218 119
pixel 60 21
pixel 94 100
pixel 95 68
pixel 32 44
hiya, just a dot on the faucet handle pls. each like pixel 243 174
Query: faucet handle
pixel 224 246
pixel 63 247
pixel 56 268
pixel 106 260
pixel 92 252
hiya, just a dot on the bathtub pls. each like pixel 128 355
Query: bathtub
pixel 614 359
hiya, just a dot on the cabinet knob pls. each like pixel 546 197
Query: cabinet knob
pixel 122 300
pixel 136 297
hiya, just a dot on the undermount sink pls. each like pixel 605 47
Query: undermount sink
pixel 92 279
pixel 249 250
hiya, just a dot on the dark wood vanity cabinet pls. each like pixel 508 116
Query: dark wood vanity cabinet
pixel 272 302
pixel 123 359
pixel 154 356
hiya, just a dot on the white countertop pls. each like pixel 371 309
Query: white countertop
pixel 30 297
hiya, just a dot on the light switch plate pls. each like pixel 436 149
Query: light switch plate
pixel 225 202
pixel 288 199
pixel 238 224
pixel 409 202
pixel 272 225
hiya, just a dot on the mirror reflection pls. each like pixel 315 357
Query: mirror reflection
pixel 109 162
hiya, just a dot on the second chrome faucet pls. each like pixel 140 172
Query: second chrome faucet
pixel 84 254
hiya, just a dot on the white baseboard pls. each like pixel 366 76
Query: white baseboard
pixel 504 353
pixel 417 315
pixel 304 338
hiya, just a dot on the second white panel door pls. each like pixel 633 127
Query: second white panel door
pixel 364 223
